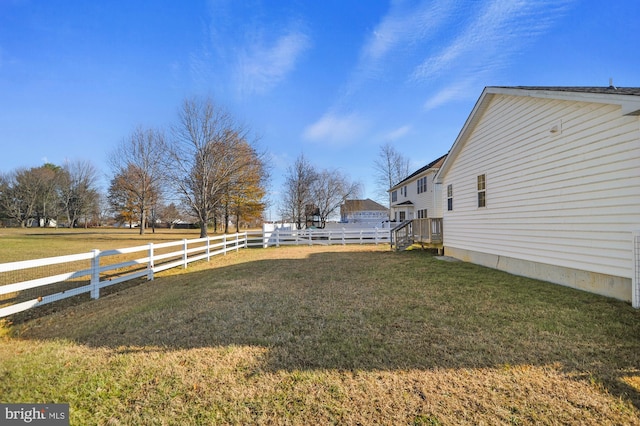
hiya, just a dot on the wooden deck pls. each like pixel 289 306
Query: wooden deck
pixel 426 232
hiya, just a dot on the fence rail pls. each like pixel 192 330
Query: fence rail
pixel 327 236
pixel 71 275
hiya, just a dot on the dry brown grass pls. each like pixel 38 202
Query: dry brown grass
pixel 35 243
pixel 332 335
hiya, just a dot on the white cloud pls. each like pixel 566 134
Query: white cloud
pixel 336 130
pixel 262 66
pixel 403 26
pixel 501 28
pixel 245 52
pixel 397 133
pixel 459 90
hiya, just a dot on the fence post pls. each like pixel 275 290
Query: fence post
pixel 95 274
pixel 150 263
pixel 224 244
pixel 309 232
pixel 184 254
pixel 278 237
pixel 237 242
pixel 376 237
pixel 361 236
pixel 343 240
pixel 246 239
pixel 635 279
pixel 208 248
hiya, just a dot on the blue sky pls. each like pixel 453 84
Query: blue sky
pixel 332 79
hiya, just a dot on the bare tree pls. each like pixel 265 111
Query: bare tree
pixel 205 156
pixel 11 203
pixel 329 190
pixel 47 204
pixel 138 165
pixel 170 214
pixel 102 209
pixel 390 168
pixel 78 193
pixel 31 194
pixel 298 194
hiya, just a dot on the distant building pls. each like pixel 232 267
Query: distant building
pixel 363 211
pixel 416 208
pixel 416 196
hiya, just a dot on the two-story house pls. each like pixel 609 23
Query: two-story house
pixel 416 196
pixel 416 207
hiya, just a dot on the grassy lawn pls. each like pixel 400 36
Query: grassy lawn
pixel 35 243
pixel 332 335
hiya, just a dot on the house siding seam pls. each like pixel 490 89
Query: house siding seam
pixel 569 199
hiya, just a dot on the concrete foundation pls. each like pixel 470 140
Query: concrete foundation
pixel 593 282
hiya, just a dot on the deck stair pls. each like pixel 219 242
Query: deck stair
pixel 402 236
pixel 426 232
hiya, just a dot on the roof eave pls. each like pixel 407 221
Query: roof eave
pixel 467 128
pixel 429 168
pixel 630 106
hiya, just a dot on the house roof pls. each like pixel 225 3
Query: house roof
pixel 628 98
pixel 432 165
pixel 363 205
pixel 610 90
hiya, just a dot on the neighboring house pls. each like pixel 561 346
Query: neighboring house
pixel 544 182
pixel 363 211
pixel 416 207
pixel 416 196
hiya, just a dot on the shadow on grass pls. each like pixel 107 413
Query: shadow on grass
pixel 366 311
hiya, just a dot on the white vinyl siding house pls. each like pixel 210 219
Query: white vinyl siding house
pixel 416 196
pixel 560 174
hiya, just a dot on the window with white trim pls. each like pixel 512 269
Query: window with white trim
pixel 482 190
pixel 449 197
pixel 422 185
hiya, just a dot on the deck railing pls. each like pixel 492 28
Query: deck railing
pixel 422 231
pixel 427 230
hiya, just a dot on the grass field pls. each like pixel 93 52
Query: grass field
pixel 35 243
pixel 332 335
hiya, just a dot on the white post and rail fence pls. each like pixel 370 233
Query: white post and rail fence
pixel 32 283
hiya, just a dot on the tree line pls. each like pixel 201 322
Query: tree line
pixel 205 167
pixel 206 161
pixel 311 195
pixel 40 195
